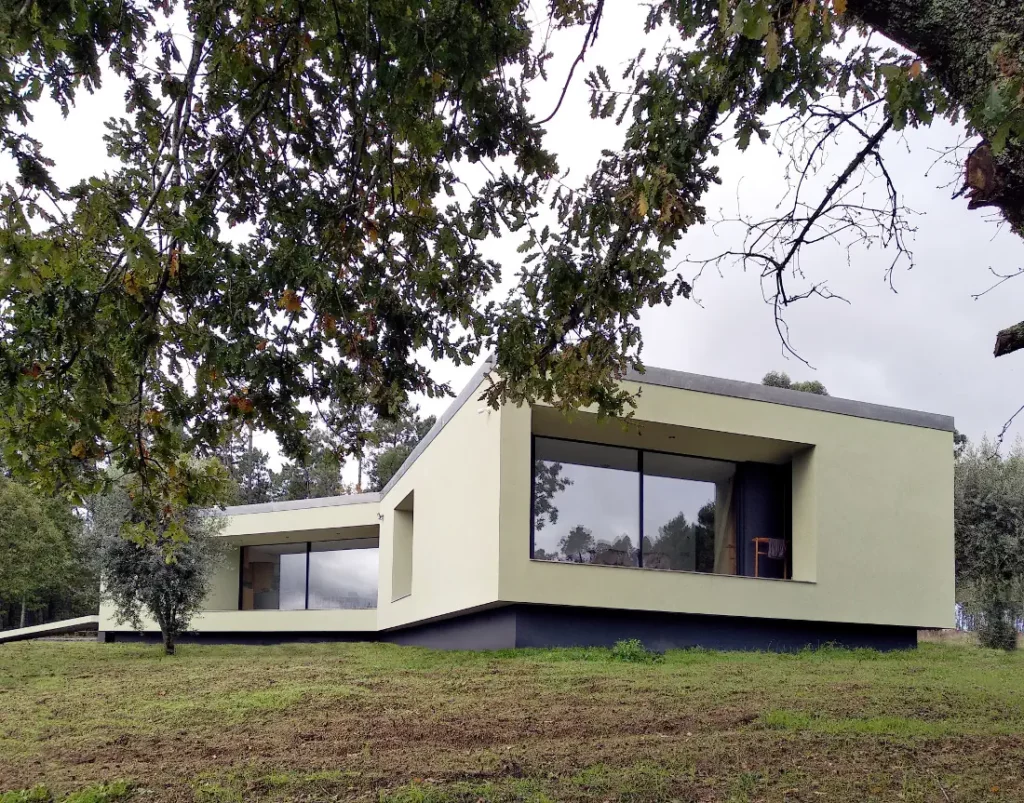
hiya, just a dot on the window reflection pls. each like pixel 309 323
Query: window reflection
pixel 586 503
pixel 342 575
pixel 688 521
pixel 697 514
pixel 274 577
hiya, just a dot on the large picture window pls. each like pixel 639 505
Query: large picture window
pixel 626 507
pixel 310 575
pixel 586 503
pixel 343 574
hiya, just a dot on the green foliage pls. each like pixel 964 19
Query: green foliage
pixel 251 479
pixel 989 543
pixel 166 578
pixel 780 379
pixel 99 793
pixel 313 473
pixel 316 471
pixel 288 224
pixel 325 133
pixel 997 629
pixel 37 794
pixel 392 441
pixel 811 386
pixel 39 551
pixel 777 379
pixel 1002 111
pixel 633 651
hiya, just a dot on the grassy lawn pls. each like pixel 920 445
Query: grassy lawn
pixel 323 722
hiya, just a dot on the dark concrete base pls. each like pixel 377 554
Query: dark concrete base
pixel 559 626
pixel 514 626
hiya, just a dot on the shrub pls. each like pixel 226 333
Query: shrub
pixel 633 651
pixel 997 630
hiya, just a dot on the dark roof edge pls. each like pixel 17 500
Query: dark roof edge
pixel 368 498
pixel 790 398
pixel 446 416
pixel 663 377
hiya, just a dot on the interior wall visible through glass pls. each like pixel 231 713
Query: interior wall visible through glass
pixel 614 506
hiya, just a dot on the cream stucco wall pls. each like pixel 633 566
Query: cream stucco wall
pixel 223 594
pixel 872 513
pixel 314 523
pixel 221 614
pixel 872 521
pixel 212 621
pixel 455 486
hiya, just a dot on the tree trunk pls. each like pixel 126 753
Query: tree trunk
pixel 955 38
pixel 22 623
pixel 168 642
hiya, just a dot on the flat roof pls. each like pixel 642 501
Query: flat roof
pixel 663 377
pixel 790 398
pixel 298 504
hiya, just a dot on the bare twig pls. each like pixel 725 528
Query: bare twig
pixel 936 779
pixel 843 213
pixel 1003 277
pixel 1005 429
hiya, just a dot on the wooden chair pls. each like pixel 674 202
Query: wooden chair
pixel 760 543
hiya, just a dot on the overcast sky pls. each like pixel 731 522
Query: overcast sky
pixel 928 347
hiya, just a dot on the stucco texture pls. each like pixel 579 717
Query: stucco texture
pixel 872 519
pixel 872 513
pixel 455 484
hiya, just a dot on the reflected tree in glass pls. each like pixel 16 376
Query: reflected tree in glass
pixel 619 552
pixel 704 538
pixel 578 545
pixel 548 482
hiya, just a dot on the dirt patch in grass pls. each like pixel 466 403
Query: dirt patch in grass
pixel 360 721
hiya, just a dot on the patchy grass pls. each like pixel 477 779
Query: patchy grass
pixel 376 722
pixel 97 793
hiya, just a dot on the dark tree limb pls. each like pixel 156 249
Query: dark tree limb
pixel 1009 340
pixel 774 245
pixel 956 39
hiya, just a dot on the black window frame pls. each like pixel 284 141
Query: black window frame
pixel 786 507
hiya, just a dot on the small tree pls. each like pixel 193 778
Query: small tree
pixel 780 379
pixel 167 579
pixel 989 520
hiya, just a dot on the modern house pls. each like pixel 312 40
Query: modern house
pixel 725 514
